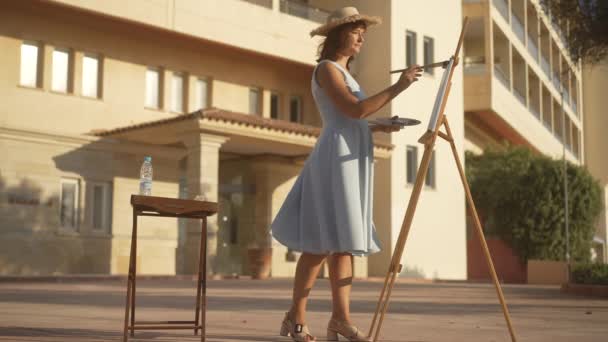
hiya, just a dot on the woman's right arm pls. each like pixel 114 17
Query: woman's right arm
pixel 332 80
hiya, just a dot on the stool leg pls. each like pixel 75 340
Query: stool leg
pixel 203 276
pixel 130 278
pixel 198 285
pixel 134 263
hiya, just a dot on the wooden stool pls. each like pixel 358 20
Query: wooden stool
pixel 169 207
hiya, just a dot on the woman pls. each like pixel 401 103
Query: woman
pixel 328 212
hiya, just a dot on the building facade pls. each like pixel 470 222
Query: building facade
pixel 222 103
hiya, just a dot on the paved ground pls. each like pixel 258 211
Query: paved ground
pixel 249 310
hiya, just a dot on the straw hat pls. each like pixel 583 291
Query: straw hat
pixel 342 16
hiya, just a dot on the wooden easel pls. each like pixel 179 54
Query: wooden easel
pixel 428 139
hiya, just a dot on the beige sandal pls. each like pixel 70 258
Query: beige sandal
pixel 351 332
pixel 298 332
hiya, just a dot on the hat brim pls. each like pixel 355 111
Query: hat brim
pixel 324 29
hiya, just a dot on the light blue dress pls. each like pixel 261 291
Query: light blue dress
pixel 329 208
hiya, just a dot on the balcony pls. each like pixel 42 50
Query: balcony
pixel 544 64
pixel 503 8
pixel 555 79
pixel 263 3
pixel 501 76
pixel 304 11
pixel 532 49
pixel 518 28
pixel 474 64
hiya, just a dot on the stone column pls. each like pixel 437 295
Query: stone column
pixel 202 173
pixel 273 176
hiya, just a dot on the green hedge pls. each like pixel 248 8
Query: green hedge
pixel 520 198
pixel 593 274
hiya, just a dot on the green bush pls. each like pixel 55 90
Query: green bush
pixel 593 274
pixel 520 198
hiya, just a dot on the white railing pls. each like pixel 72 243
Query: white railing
pixel 566 97
pixel 498 73
pixel 518 28
pixel 556 83
pixel 535 111
pixel 503 8
pixel 302 10
pixel 263 3
pixel 532 48
pixel 519 96
pixel 474 64
pixel 544 64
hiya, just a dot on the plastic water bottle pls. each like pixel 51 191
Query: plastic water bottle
pixel 145 177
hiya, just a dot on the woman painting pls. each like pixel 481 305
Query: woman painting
pixel 328 212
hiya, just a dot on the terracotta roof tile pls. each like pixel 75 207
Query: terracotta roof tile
pixel 228 116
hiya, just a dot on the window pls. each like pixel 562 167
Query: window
pixel 153 92
pixel 101 206
pixel 30 65
pixel 412 163
pixel 430 173
pixel 429 53
pixel 200 94
pixel 295 109
pixel 274 106
pixel 90 76
pixel 410 48
pixel 254 101
pixel 68 212
pixel 62 61
pixel 177 93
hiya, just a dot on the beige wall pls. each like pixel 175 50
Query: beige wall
pixel 127 52
pixel 436 245
pixel 33 239
pixel 263 30
pixel 595 82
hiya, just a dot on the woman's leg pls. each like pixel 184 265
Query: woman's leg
pixel 341 279
pixel 307 270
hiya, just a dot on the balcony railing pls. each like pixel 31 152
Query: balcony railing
pixel 303 10
pixel 544 64
pixel 263 3
pixel 518 28
pixel 535 112
pixel 555 80
pixel 502 7
pixel 567 97
pixel 532 48
pixel 500 75
pixel 519 96
pixel 474 64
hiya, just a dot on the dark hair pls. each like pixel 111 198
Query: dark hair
pixel 335 40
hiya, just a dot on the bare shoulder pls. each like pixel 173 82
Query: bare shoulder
pixel 328 73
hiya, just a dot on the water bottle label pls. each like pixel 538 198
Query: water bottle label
pixel 145 188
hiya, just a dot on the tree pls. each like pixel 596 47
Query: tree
pixel 587 34
pixel 520 198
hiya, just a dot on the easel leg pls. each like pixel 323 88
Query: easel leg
pixel 479 230
pixel 385 305
pixel 395 267
pixel 371 329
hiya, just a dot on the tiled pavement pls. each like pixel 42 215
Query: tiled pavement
pixel 251 310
